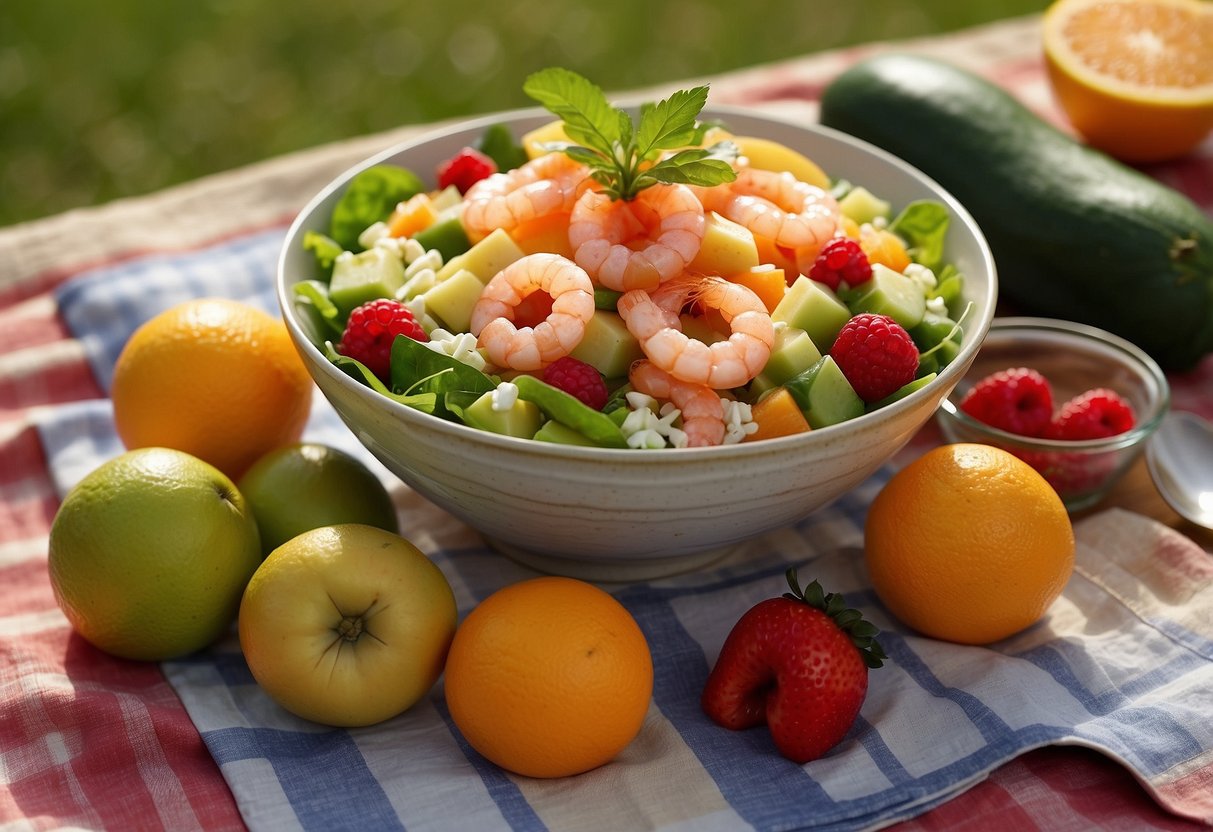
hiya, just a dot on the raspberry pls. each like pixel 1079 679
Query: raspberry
pixel 372 328
pixel 1096 414
pixel 876 355
pixel 1018 400
pixel 465 169
pixel 841 260
pixel 577 379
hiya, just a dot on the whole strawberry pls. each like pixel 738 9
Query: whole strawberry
pixel 798 663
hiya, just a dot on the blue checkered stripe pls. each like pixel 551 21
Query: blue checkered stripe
pixel 937 719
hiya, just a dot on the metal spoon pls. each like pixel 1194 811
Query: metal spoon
pixel 1180 459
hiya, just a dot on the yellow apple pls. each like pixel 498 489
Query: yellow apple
pixel 347 625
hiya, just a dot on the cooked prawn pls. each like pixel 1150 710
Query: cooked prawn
pixel 702 412
pixel 545 185
pixel 778 206
pixel 636 244
pixel 532 348
pixel 653 319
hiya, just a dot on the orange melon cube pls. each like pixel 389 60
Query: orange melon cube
pixel 768 283
pixel 777 414
pixel 885 247
pixel 417 213
pixel 549 233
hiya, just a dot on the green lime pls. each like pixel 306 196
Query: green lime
pixel 150 553
pixel 308 485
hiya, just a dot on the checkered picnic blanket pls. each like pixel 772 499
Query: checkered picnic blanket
pixel 950 737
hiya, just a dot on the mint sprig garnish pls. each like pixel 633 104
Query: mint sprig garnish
pixel 626 157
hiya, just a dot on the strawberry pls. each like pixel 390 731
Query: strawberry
pixel 798 663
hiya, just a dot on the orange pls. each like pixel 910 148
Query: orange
pixel 549 677
pixel 968 544
pixel 215 378
pixel 1135 77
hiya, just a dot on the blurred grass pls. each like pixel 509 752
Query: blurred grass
pixel 100 100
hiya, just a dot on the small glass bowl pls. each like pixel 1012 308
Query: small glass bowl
pixel 1074 358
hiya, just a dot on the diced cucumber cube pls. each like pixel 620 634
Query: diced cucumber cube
pixel 365 276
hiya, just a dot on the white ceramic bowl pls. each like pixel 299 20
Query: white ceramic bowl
pixel 604 514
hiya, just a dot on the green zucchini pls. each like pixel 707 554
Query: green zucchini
pixel 1075 234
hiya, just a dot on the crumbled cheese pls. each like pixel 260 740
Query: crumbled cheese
pixel 921 275
pixel 372 234
pixel 390 245
pixel 460 346
pixel 416 305
pixel 410 250
pixel 419 283
pixel 432 259
pixel 738 421
pixel 646 439
pixel 640 401
pixel 504 396
pixel 937 305
pixel 343 256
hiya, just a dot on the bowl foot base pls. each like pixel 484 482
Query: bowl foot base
pixel 610 571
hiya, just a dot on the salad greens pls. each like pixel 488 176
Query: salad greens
pixel 372 195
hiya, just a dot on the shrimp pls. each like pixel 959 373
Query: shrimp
pixel 636 244
pixel 779 206
pixel 545 185
pixel 702 412
pixel 532 348
pixel 653 319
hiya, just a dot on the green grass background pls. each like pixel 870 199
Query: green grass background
pixel 101 99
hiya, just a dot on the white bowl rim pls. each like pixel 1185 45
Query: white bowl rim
pixel 783 444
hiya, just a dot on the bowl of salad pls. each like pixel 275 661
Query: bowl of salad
pixel 618 342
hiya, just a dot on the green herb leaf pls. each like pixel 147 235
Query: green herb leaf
pixel 625 157
pixel 370 197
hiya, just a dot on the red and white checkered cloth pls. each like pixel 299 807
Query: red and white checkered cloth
pixel 93 742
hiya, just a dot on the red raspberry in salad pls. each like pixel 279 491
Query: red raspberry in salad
pixel 841 261
pixel 372 328
pixel 577 379
pixel 1018 400
pixel 876 355
pixel 1096 414
pixel 465 169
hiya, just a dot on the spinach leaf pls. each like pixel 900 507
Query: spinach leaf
pixel 371 196
pixel 313 300
pixel 923 224
pixel 425 401
pixel 498 144
pixel 418 369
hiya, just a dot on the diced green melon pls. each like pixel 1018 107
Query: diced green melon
pixel 792 353
pixel 446 236
pixel 365 276
pixel 607 345
pixel 893 294
pixel 448 197
pixel 903 391
pixel 862 205
pixel 522 419
pixel 561 434
pixel 824 394
pixel 451 301
pixel 727 248
pixel 485 258
pixel 813 307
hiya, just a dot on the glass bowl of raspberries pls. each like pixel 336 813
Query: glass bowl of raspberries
pixel 1075 402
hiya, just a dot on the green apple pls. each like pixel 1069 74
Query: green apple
pixel 150 552
pixel 302 486
pixel 347 625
